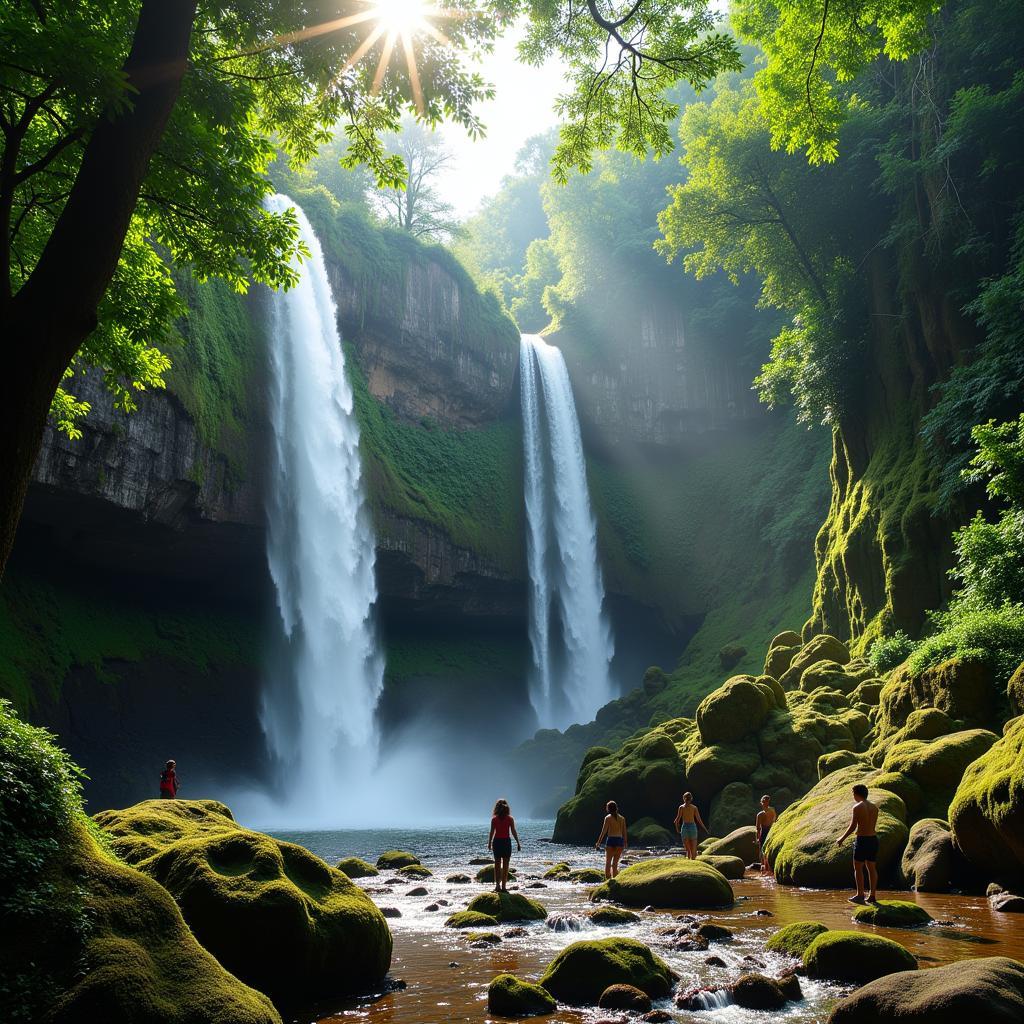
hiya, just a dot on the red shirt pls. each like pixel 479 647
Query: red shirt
pixel 502 826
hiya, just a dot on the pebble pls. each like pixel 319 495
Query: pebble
pixel 418 891
pixel 391 911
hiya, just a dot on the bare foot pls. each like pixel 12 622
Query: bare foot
pixel 872 899
pixel 857 899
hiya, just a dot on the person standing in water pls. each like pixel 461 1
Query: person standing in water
pixel 687 822
pixel 503 830
pixel 169 782
pixel 613 835
pixel 865 847
pixel 763 822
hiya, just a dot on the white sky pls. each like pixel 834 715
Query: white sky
pixel 522 107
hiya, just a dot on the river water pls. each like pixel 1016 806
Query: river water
pixel 436 991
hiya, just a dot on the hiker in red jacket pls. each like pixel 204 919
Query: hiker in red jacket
pixel 169 782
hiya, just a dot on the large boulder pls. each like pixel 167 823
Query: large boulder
pixel 648 832
pixel 508 906
pixel 736 709
pixel 741 842
pixel 819 648
pixel 731 867
pixel 645 776
pixel 734 807
pixel 581 972
pixel 828 675
pixel 710 769
pixel 990 989
pixel 802 843
pixel 855 957
pixel 394 859
pixel 930 859
pixel 507 996
pixel 758 992
pixel 671 882
pixel 962 688
pixel 625 997
pixel 1015 691
pixel 355 867
pixel 793 939
pixel 987 812
pixel 892 914
pixel 271 913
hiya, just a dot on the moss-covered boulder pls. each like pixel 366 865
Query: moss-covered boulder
pixel 271 913
pixel 989 989
pixel 486 874
pixel 508 906
pixel 354 867
pixel 392 860
pixel 709 769
pixel 648 832
pixel 929 860
pixel 892 914
pixel 822 647
pixel 855 957
pixel 730 867
pixel 741 843
pixel 829 763
pixel 471 919
pixel 587 876
pixel 736 709
pixel 987 812
pixel 670 882
pixel 415 871
pixel 827 675
pixel 793 939
pixel 624 997
pixel 583 970
pixel 732 808
pixel 645 776
pixel 558 871
pixel 758 992
pixel 961 688
pixel 779 658
pixel 610 916
pixel 787 638
pixel 802 848
pixel 507 996
pixel 1015 691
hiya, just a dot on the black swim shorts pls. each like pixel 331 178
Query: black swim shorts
pixel 866 848
pixel 502 848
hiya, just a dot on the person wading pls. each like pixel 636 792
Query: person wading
pixel 169 781
pixel 865 847
pixel 503 830
pixel 687 822
pixel 763 823
pixel 613 835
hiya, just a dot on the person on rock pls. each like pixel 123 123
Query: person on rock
pixel 687 822
pixel 503 831
pixel 169 781
pixel 763 823
pixel 865 847
pixel 614 836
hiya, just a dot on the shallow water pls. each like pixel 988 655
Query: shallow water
pixel 437 992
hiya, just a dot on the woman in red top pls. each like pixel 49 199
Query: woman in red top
pixel 169 781
pixel 503 829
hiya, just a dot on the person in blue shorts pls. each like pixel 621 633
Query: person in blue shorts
pixel 614 836
pixel 687 822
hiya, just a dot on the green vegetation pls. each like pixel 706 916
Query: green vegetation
pixel 48 628
pixel 466 482
pixel 793 939
pixel 439 657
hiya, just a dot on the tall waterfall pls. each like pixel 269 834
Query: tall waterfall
pixel 569 633
pixel 318 713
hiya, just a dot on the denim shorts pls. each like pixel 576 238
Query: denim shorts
pixel 688 830
pixel 614 841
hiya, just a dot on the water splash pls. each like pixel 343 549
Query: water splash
pixel 571 665
pixel 320 718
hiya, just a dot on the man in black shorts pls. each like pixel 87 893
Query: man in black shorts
pixel 865 848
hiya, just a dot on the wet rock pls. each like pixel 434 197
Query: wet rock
pixel 793 939
pixel 418 891
pixel 415 871
pixel 705 997
pixel 893 914
pixel 508 907
pixel 625 997
pixel 731 867
pixel 930 859
pixel 453 963
pixel 567 922
pixel 752 961
pixel 590 876
pixel 668 882
pixel 477 861
pixel 757 992
pixel 391 911
pixel 606 916
pixel 515 933
pixel 741 842
pixel 1007 903
pixel 432 907
pixel 470 919
pixel 690 944
pixel 582 971
pixel 355 867
pixel 458 879
pixel 763 913
pixel 392 860
pixel 507 996
pixel 558 871
pixel 657 1017
pixel 714 961
pixel 537 885
pixel 443 903
pixel 715 932
pixel 487 874
pixel 855 957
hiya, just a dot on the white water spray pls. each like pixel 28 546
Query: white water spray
pixel 320 720
pixel 571 679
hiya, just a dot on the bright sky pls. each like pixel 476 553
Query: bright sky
pixel 522 107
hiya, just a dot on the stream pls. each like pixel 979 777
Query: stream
pixel 436 991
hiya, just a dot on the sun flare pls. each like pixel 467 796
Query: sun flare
pixel 401 16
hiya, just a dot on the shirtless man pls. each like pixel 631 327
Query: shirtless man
pixel 763 823
pixel 865 848
pixel 687 821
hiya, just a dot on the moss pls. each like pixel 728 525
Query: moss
pixel 391 860
pixel 741 842
pixel 937 766
pixel 607 916
pixel 736 709
pixel 588 876
pixel 730 867
pixel 486 874
pixel 930 860
pixel 415 871
pixel 508 906
pixel 793 939
pixel 648 832
pixel 892 914
pixel 47 629
pixel 354 867
pixel 987 811
pixel 507 996
pixel 558 871
pixel 673 883
pixel 855 957
pixel 583 970
pixel 471 919
pixel 273 914
pixel 735 806
pixel 466 482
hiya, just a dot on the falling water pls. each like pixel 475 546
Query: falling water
pixel 571 679
pixel 319 719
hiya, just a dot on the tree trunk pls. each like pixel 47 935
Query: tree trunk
pixel 45 323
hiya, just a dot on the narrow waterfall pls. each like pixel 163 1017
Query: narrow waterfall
pixel 318 713
pixel 569 633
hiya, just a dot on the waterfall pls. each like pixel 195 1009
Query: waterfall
pixel 319 718
pixel 570 678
